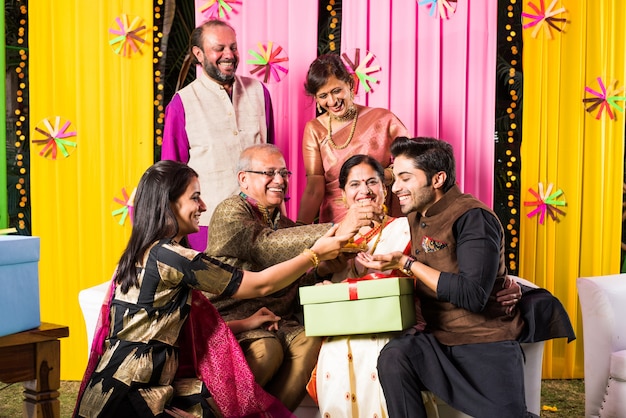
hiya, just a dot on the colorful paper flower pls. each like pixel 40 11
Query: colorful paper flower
pixel 605 99
pixel 439 8
pixel 54 138
pixel 217 8
pixel 544 18
pixel 266 61
pixel 127 208
pixel 546 203
pixel 362 69
pixel 129 37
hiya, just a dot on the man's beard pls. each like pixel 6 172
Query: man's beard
pixel 212 71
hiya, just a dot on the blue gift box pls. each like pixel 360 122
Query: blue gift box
pixel 19 281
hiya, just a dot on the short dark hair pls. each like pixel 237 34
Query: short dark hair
pixel 428 154
pixel 322 68
pixel 161 185
pixel 356 160
pixel 197 35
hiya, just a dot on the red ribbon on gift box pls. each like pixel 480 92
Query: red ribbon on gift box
pixel 352 283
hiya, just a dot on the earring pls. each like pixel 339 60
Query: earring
pixel 319 108
pixel 344 201
pixel 385 210
pixel 352 95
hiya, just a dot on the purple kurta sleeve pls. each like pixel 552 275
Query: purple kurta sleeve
pixel 175 142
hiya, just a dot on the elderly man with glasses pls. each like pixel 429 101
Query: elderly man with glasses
pixel 249 230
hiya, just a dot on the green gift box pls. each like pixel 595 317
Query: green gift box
pixel 358 307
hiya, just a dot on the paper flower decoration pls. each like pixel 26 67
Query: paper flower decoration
pixel 544 18
pixel 267 62
pixel 54 138
pixel 127 208
pixel 605 99
pixel 128 37
pixel 546 203
pixel 217 8
pixel 439 8
pixel 362 69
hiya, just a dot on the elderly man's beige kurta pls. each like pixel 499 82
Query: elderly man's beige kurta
pixel 218 130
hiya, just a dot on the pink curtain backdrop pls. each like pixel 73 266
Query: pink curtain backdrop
pixel 293 26
pixel 437 75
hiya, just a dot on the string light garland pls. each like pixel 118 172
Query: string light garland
pixel 507 199
pixel 158 60
pixel 329 27
pixel 19 215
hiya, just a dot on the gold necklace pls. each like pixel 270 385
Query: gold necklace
pixel 347 115
pixel 355 271
pixel 330 131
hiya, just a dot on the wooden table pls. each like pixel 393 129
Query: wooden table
pixel 34 358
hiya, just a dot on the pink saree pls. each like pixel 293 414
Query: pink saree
pixel 374 132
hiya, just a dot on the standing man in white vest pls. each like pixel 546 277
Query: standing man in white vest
pixel 212 120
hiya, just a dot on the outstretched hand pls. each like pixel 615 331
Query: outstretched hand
pixel 381 262
pixel 327 247
pixel 360 214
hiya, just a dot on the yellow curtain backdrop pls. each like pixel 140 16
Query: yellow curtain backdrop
pixel 108 98
pixel 567 147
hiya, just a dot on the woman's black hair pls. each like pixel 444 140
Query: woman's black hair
pixel 356 160
pixel 324 67
pixel 153 219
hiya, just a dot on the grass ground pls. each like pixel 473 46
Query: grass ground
pixel 11 399
pixel 568 396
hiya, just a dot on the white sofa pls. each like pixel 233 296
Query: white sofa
pixel 91 299
pixel 603 307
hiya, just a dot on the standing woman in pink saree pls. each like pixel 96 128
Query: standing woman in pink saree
pixel 345 129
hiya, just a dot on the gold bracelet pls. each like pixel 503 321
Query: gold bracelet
pixel 311 254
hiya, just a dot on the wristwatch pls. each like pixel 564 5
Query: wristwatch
pixel 407 266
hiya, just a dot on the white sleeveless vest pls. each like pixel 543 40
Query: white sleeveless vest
pixel 218 130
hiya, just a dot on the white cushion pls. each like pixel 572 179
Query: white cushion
pixel 90 301
pixel 603 307
pixel 618 366
pixel 614 403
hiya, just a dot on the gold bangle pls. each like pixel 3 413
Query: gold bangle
pixel 311 254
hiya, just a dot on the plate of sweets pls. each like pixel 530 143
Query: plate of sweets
pixel 353 248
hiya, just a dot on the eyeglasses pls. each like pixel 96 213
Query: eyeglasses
pixel 283 172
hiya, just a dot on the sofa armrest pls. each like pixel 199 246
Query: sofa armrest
pixel 90 301
pixel 603 307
